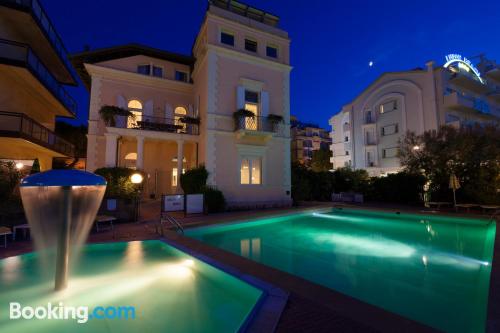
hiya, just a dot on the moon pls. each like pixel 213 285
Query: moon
pixel 370 64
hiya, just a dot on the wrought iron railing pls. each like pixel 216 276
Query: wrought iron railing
pixel 19 125
pixel 159 124
pixel 43 21
pixel 22 55
pixel 258 123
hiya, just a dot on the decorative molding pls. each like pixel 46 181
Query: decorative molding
pixel 251 84
pixel 110 74
pixel 157 135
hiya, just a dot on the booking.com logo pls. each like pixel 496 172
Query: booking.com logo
pixel 81 314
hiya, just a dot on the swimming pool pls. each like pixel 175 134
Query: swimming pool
pixel 170 290
pixel 432 269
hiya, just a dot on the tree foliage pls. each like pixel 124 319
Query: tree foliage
pixel 321 160
pixel 471 153
pixel 119 184
pixel 194 180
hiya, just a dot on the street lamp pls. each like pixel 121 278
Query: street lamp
pixel 416 147
pixel 137 179
pixel 19 165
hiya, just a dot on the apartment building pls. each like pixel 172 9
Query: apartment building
pixel 307 138
pixel 186 107
pixel 459 92
pixel 33 70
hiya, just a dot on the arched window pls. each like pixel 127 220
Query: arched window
pixel 135 107
pixel 179 113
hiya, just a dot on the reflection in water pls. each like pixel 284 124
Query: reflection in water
pixel 10 268
pixel 134 255
pixel 250 248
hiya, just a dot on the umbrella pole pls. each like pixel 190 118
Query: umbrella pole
pixel 454 200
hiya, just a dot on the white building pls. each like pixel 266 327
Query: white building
pixel 366 133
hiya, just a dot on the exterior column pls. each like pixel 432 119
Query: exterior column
pixel 180 157
pixel 140 153
pixel 111 149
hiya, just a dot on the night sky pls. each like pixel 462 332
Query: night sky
pixel 333 42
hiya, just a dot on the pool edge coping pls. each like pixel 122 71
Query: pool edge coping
pixel 266 312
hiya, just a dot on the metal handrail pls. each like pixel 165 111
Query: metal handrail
pixel 22 54
pixel 13 124
pixel 168 218
pixel 160 124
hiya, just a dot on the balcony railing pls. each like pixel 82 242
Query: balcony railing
pixel 18 125
pixel 19 54
pixel 159 124
pixel 259 124
pixel 43 21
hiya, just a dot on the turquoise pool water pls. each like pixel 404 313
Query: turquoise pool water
pixel 435 270
pixel 170 290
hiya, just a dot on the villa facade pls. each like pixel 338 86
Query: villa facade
pixel 33 71
pixel 307 138
pixel 366 133
pixel 185 106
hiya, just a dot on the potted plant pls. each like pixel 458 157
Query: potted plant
pixel 275 121
pixel 109 112
pixel 240 116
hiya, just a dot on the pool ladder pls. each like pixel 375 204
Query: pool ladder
pixel 173 221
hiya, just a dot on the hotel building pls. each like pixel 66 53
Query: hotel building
pixel 366 133
pixel 33 69
pixel 307 138
pixel 240 60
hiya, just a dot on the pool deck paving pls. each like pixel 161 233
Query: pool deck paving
pixel 310 307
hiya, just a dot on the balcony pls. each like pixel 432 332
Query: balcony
pixel 466 103
pixel 259 125
pixel 157 124
pixel 21 55
pixel 468 82
pixel 38 14
pixel 18 125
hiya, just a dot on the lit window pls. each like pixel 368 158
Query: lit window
pixel 250 45
pixel 272 51
pixel 250 171
pixel 135 107
pixel 180 112
pixel 174 176
pixel 181 76
pixel 157 71
pixel 144 69
pixel 252 105
pixel 227 38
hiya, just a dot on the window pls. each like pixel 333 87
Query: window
pixel 390 129
pixel 251 104
pixel 135 107
pixel 347 153
pixel 250 171
pixel 250 45
pixel 157 71
pixel 181 76
pixel 324 146
pixel 227 38
pixel 388 106
pixel 180 112
pixel 144 69
pixel 389 152
pixel 272 51
pixel 346 139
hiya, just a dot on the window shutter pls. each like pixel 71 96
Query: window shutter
pixel 264 100
pixel 240 97
pixel 147 112
pixel 121 121
pixel 169 113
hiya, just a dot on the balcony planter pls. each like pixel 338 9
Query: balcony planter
pixel 240 116
pixel 108 114
pixel 275 121
pixel 190 120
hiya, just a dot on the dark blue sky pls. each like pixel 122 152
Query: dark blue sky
pixel 332 41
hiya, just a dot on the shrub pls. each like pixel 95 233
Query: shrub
pixel 401 187
pixel 194 180
pixel 119 184
pixel 214 200
pixel 108 113
pixel 9 179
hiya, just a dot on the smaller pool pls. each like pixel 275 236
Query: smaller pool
pixel 435 270
pixel 170 291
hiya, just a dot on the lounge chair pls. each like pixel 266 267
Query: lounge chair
pixel 4 231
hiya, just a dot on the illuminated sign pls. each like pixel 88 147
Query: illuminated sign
pixel 462 63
